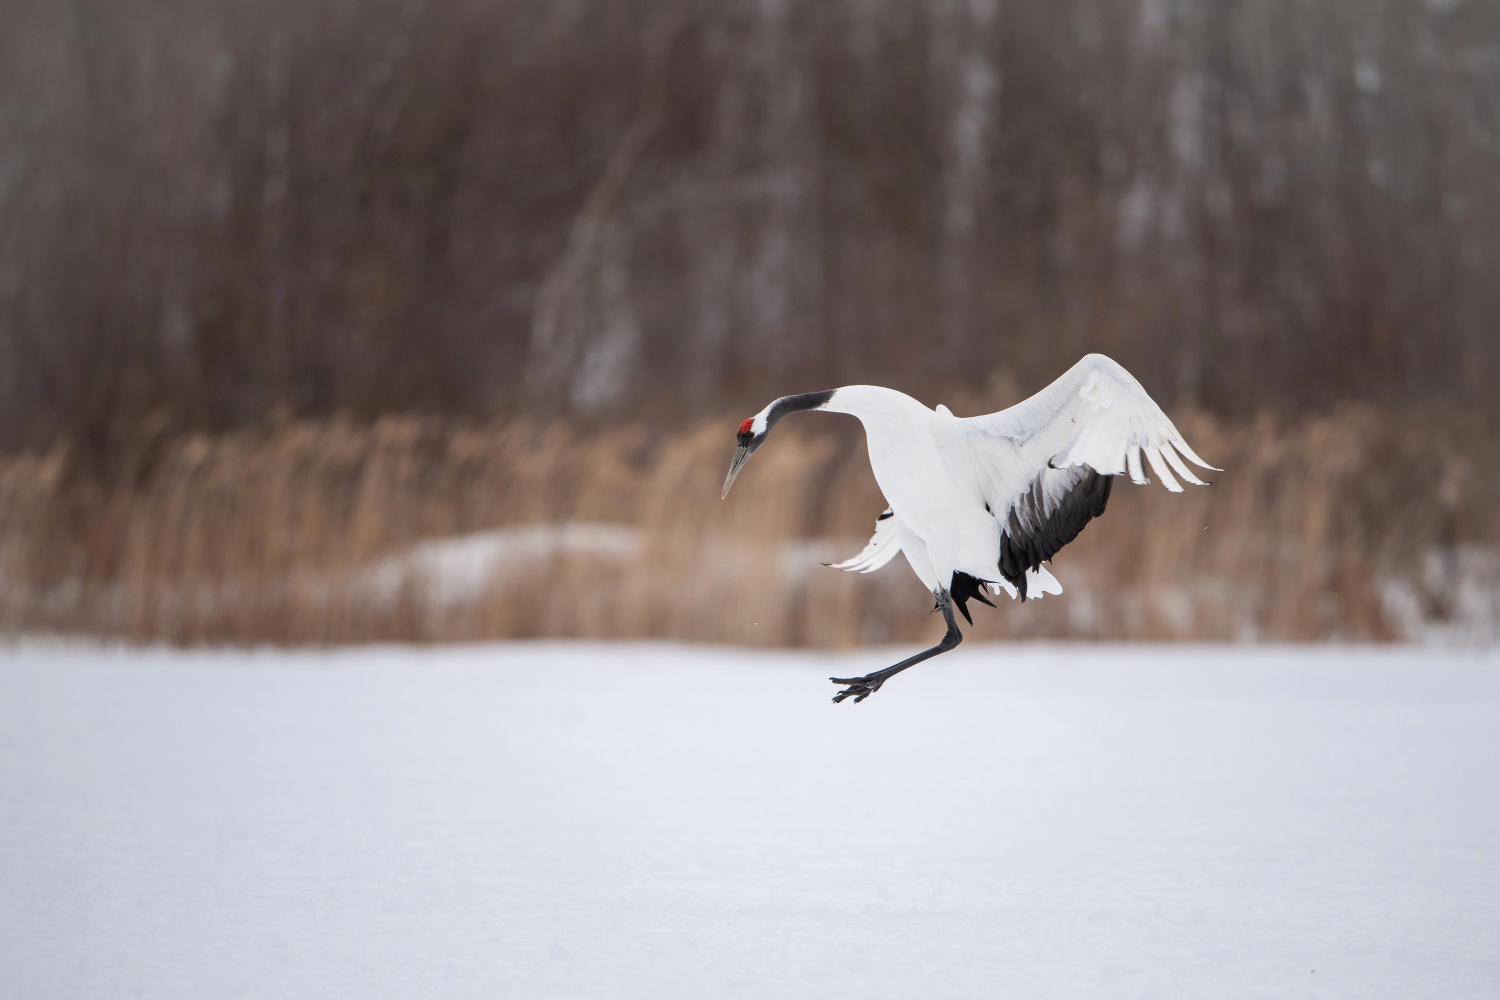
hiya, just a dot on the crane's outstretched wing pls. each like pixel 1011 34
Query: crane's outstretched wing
pixel 882 548
pixel 1043 466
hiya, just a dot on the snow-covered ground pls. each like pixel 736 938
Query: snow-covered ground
pixel 653 821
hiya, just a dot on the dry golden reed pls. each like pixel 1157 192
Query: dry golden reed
pixel 309 532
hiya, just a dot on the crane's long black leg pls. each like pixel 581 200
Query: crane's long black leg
pixel 861 688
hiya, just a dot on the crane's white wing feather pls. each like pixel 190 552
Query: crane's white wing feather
pixel 1039 581
pixel 1095 415
pixel 881 549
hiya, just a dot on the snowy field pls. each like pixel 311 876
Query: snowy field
pixel 652 821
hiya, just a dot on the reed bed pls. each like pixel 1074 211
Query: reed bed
pixel 335 531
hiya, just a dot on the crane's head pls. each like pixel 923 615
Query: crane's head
pixel 746 440
pixel 753 431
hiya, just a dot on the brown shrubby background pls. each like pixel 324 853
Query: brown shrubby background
pixel 334 321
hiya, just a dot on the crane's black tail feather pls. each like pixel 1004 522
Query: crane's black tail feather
pixel 964 587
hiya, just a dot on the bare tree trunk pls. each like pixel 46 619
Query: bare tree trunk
pixel 554 349
pixel 967 90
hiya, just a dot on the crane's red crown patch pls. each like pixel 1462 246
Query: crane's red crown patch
pixel 745 427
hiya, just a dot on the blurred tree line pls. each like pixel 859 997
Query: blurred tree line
pixel 218 210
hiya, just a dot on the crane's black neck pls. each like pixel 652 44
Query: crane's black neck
pixel 754 431
pixel 792 404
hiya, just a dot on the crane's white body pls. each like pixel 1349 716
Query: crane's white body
pixel 953 483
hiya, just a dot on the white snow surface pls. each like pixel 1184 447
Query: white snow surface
pixel 550 820
pixel 458 569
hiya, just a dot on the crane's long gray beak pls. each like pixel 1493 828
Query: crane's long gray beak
pixel 741 456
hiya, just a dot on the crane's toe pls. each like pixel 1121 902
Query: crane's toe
pixel 859 688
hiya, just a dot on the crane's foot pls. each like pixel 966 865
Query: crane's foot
pixel 859 688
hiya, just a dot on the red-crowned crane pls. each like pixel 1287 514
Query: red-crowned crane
pixel 978 501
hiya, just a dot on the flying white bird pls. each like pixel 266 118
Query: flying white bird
pixel 978 501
